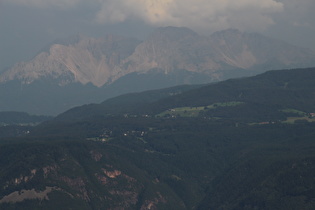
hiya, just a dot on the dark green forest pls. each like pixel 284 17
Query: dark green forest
pixel 239 144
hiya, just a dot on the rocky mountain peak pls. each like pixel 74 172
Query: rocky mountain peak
pixel 172 34
pixel 81 59
pixel 69 72
pixel 231 32
pixel 103 60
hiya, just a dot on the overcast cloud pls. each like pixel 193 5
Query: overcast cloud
pixel 27 25
pixel 197 14
pixel 60 4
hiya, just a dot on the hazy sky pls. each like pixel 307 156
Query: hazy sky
pixel 26 26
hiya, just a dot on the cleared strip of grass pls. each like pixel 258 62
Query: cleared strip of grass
pixel 195 111
pixel 294 111
pixel 292 120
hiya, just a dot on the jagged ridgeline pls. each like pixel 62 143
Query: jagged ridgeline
pixel 239 144
pixel 82 70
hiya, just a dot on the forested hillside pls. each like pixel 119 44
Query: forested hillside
pixel 240 144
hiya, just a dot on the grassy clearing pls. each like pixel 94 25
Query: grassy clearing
pixel 195 111
pixel 294 111
pixel 303 116
pixel 292 120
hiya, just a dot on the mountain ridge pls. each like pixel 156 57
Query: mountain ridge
pixel 82 70
pixel 81 60
pixel 104 60
pixel 278 89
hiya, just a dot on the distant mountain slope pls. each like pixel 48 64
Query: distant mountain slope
pixel 13 124
pixel 273 90
pixel 45 97
pixel 8 118
pixel 180 48
pixel 104 60
pixel 122 104
pixel 293 88
pixel 81 60
pixel 100 68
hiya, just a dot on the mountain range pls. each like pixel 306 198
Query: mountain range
pixel 81 70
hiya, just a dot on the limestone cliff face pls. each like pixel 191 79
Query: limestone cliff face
pixel 88 60
pixel 247 50
pixel 104 60
pixel 180 48
pixel 168 49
